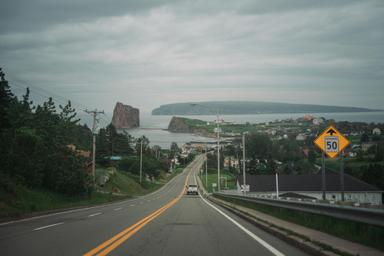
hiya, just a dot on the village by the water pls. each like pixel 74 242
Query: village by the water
pixel 282 149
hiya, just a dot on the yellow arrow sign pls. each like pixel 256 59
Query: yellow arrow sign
pixel 331 141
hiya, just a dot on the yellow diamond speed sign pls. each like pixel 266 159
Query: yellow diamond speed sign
pixel 331 141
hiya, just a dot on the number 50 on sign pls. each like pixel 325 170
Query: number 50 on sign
pixel 331 142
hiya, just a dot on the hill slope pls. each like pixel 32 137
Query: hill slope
pixel 247 107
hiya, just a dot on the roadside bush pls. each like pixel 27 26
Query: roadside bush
pixel 151 166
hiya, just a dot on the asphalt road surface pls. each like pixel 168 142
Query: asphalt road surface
pixel 166 222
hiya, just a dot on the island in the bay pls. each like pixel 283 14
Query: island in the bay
pixel 248 107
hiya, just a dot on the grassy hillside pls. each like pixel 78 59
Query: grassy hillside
pixel 23 201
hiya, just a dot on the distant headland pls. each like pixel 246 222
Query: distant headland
pixel 249 107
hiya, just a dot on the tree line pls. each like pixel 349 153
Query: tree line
pixel 34 148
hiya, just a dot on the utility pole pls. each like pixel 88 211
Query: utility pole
pixel 277 185
pixel 323 179
pixel 94 114
pixel 206 167
pixel 218 140
pixel 244 164
pixel 141 159
pixel 342 175
pixel 218 154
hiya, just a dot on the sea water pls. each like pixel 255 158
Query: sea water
pixel 154 127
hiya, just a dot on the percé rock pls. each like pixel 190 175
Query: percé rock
pixel 125 116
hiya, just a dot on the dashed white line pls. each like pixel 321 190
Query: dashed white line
pixel 118 209
pixel 141 202
pixel 52 225
pixel 95 214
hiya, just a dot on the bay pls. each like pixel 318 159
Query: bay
pixel 154 127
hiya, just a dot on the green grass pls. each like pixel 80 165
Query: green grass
pixel 122 185
pixel 366 234
pixel 25 201
pixel 212 178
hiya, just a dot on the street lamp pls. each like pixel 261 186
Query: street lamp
pixel 218 139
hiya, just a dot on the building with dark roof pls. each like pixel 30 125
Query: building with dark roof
pixel 309 185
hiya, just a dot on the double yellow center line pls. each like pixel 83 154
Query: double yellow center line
pixel 111 244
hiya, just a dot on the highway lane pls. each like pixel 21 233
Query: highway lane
pixel 81 229
pixel 163 223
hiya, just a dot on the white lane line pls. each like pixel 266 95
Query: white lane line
pixel 52 225
pixel 132 205
pixel 118 209
pixel 167 185
pixel 95 214
pixel 255 237
pixel 141 202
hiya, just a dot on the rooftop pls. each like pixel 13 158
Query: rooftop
pixel 305 182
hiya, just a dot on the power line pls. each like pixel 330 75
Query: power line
pixel 43 92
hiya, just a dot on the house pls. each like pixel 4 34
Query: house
pixel 231 162
pixel 376 131
pixel 366 145
pixel 308 117
pixel 317 121
pixel 79 152
pixel 309 185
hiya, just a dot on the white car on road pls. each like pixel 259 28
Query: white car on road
pixel 192 189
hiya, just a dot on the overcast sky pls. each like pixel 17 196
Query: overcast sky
pixel 148 53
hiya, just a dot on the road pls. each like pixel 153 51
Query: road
pixel 166 222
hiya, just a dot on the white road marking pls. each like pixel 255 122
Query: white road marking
pixel 169 183
pixel 52 225
pixel 95 214
pixel 255 237
pixel 141 202
pixel 118 209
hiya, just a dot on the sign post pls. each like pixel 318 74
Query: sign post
pixel 331 142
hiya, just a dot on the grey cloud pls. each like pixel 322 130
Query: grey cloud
pixel 27 15
pixel 198 50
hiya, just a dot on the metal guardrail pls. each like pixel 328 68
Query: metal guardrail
pixel 364 215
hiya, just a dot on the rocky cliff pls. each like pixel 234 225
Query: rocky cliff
pixel 185 125
pixel 178 124
pixel 125 116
